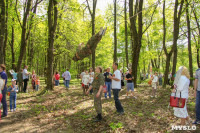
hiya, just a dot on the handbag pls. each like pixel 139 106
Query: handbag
pixel 177 102
pixel 104 89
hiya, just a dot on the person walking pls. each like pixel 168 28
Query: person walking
pixel 116 87
pixel 67 76
pixel 3 100
pixel 57 78
pixel 154 84
pixel 97 86
pixel 20 80
pixel 25 78
pixel 108 82
pixel 197 95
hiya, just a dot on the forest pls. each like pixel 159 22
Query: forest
pixel 145 35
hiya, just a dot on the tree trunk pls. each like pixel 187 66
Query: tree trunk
pixel 23 35
pixel 189 43
pixel 136 36
pixel 12 46
pixel 52 23
pixel 6 34
pixel 176 32
pixel 115 31
pixel 2 29
pixel 126 34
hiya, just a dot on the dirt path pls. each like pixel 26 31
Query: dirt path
pixel 70 111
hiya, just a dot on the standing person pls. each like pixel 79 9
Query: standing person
pixel 116 87
pixel 122 79
pixel 108 82
pixel 25 78
pixel 197 95
pixel 20 80
pixel 57 78
pixel 3 100
pixel 154 84
pixel 67 76
pixel 97 86
pixel 130 84
pixel 37 82
pixel 169 78
pixel 33 79
pixel 14 75
pixel 181 87
pixel 85 81
pixel 82 74
pixel 91 79
pixel 13 89
pixel 160 79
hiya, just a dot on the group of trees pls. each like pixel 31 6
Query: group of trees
pixel 155 34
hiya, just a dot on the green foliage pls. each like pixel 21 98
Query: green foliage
pixel 114 126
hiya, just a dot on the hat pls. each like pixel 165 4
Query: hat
pixel 13 80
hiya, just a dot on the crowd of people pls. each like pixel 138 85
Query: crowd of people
pixel 98 82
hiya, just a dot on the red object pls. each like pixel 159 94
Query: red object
pixel 1 96
pixel 104 89
pixel 177 102
pixel 57 76
pixel 37 82
pixel 82 85
pixel 149 82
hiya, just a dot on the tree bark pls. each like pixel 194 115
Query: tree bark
pixel 126 34
pixel 52 23
pixel 115 31
pixel 189 43
pixel 6 34
pixel 12 46
pixel 176 32
pixel 2 29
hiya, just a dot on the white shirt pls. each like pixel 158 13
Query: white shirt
pixel 25 72
pixel 183 87
pixel 155 79
pixel 92 73
pixel 91 79
pixel 116 84
pixel 82 74
pixel 85 79
pixel 66 75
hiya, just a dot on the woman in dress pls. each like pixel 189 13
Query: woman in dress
pixel 181 87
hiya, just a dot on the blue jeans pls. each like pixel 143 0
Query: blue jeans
pixel 198 106
pixel 3 101
pixel 13 99
pixel 56 82
pixel 117 102
pixel 37 87
pixel 67 83
pixel 108 85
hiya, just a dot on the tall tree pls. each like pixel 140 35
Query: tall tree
pixel 115 30
pixel 2 29
pixel 189 41
pixel 52 23
pixel 177 16
pixel 136 28
pixel 92 13
pixel 126 34
pixel 6 34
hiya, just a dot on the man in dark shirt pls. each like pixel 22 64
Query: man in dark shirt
pixel 108 82
pixel 3 101
pixel 130 84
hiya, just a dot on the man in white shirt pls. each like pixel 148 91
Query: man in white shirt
pixel 116 87
pixel 154 83
pixel 25 77
pixel 67 76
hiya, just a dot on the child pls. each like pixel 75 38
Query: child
pixel 57 78
pixel 37 83
pixel 154 83
pixel 91 79
pixel 13 89
pixel 85 82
